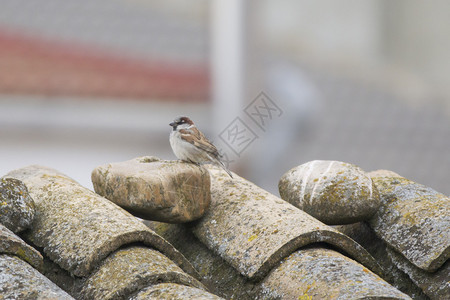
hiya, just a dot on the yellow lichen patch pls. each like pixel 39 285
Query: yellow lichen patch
pixel 252 237
pixel 21 253
pixel 28 257
pixel 304 297
pixel 410 218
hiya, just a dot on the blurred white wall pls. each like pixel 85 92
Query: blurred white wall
pixel 408 39
pixel 416 37
pixel 346 30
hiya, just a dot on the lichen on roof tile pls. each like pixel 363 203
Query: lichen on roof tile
pixel 77 228
pixel 366 237
pixel 166 191
pixel 129 270
pixel 18 280
pixel 253 230
pixel 173 291
pixel 330 271
pixel 319 273
pixel 215 273
pixel 334 192
pixel 435 285
pixel 413 219
pixel 16 206
pixel 13 245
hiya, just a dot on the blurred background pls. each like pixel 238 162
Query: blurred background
pixel 84 83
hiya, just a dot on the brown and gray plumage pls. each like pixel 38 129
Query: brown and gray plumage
pixel 190 144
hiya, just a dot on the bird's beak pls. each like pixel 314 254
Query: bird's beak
pixel 172 124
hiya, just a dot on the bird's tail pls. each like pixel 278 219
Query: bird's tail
pixel 222 165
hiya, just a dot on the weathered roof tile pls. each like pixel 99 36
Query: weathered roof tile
pixel 366 237
pixel 173 291
pixel 319 273
pixel 314 273
pixel 19 280
pixel 16 206
pixel 14 245
pixel 435 285
pixel 334 192
pixel 153 189
pixel 216 274
pixel 413 219
pixel 78 228
pixel 253 230
pixel 131 269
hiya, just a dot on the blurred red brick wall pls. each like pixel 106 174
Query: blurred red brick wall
pixel 31 65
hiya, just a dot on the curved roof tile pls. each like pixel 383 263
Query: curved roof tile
pixel 78 228
pixel 253 230
pixel 414 219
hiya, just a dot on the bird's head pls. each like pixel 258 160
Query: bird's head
pixel 181 123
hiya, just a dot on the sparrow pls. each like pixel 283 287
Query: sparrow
pixel 190 144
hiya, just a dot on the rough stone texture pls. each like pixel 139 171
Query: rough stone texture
pixel 318 273
pixel 173 291
pixel 333 192
pixel 253 230
pixel 215 273
pixel 435 285
pixel 414 220
pixel 284 281
pixel 16 206
pixel 130 270
pixel 18 280
pixel 167 191
pixel 13 245
pixel 77 228
pixel 366 237
pixel 60 277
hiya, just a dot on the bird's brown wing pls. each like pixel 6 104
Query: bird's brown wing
pixel 198 139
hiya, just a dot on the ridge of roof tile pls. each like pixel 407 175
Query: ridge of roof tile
pixel 253 229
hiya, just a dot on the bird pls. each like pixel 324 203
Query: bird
pixel 190 144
